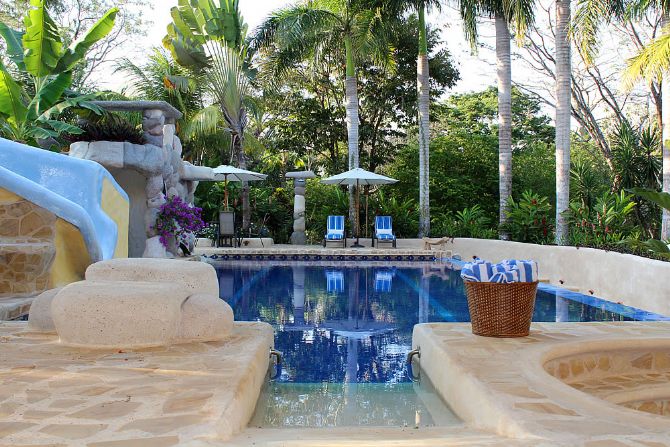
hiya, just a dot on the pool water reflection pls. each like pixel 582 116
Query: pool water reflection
pixel 345 331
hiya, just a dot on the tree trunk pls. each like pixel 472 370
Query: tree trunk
pixel 504 70
pixel 351 107
pixel 563 115
pixel 665 95
pixel 423 86
pixel 242 164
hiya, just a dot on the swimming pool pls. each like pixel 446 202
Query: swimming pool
pixel 345 329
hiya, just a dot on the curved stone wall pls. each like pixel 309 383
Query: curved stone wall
pixel 632 280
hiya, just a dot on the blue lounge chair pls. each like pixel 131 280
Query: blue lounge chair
pixel 383 231
pixel 334 281
pixel 335 231
pixel 383 281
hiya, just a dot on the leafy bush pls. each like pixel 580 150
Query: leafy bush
pixel 530 219
pixel 609 221
pixel 323 201
pixel 405 213
pixel 470 222
pixel 272 213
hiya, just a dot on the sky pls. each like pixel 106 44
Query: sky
pixel 477 72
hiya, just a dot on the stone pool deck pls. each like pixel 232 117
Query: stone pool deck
pixel 189 394
pixel 501 385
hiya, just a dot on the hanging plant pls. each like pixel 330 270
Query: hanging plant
pixel 176 219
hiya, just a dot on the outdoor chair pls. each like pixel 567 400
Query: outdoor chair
pixel 334 281
pixel 383 231
pixel 335 231
pixel 226 236
pixel 383 281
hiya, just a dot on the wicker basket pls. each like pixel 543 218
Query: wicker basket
pixel 501 310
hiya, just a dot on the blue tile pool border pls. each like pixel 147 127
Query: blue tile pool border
pixel 610 306
pixel 321 257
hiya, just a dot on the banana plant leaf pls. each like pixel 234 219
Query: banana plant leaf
pixel 83 101
pixel 14 45
pixel 77 51
pixel 49 94
pixel 41 42
pixel 11 104
pixel 63 127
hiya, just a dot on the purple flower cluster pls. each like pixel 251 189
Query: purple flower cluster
pixel 176 219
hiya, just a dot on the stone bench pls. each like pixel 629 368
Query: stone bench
pixel 136 303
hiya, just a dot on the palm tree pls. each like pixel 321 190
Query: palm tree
pixel 519 15
pixel 161 78
pixel 651 64
pixel 314 29
pixel 209 37
pixel 423 90
pixel 563 117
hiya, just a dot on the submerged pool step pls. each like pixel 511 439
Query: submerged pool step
pixel 374 437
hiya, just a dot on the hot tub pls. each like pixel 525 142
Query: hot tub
pixel 634 375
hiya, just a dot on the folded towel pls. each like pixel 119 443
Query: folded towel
pixel 477 271
pixel 528 271
pixel 506 272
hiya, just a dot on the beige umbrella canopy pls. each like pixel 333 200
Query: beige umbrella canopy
pixel 233 174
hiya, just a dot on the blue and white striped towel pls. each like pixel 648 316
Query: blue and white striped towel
pixel 477 271
pixel 528 271
pixel 507 272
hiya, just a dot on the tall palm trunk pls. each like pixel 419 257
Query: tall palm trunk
pixel 423 86
pixel 665 94
pixel 504 70
pixel 351 107
pixel 242 164
pixel 563 116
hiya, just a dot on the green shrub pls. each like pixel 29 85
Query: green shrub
pixel 609 221
pixel 323 201
pixel 405 213
pixel 529 219
pixel 470 222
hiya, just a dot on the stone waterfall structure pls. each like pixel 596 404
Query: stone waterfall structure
pixel 299 183
pixel 149 173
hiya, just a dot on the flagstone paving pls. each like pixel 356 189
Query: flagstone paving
pixel 532 387
pixel 54 395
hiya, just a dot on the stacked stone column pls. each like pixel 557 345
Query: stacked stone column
pixel 298 237
pixel 153 124
pixel 159 129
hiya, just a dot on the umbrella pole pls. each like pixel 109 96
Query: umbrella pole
pixel 225 190
pixel 358 216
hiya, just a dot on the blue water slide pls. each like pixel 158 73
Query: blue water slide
pixel 68 187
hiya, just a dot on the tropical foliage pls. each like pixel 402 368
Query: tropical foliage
pixel 34 92
pixel 328 85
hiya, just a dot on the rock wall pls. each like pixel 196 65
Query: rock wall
pixel 26 247
pixel 162 173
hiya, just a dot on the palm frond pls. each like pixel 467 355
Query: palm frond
pixel 371 39
pixel 651 63
pixel 589 16
pixel 205 122
pixel 230 86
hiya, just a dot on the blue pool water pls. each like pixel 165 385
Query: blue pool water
pixel 345 330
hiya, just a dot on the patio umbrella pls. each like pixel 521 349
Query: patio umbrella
pixel 358 177
pixel 233 174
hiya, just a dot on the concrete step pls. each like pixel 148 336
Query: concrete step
pixel 373 437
